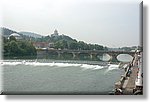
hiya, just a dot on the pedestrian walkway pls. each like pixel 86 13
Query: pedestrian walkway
pixel 131 82
pixel 131 79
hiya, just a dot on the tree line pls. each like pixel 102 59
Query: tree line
pixel 66 42
pixel 74 45
pixel 17 48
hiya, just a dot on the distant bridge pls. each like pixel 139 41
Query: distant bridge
pixel 79 54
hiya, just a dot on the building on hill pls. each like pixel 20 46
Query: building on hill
pixel 55 34
pixel 17 36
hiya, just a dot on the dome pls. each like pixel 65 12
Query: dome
pixel 15 35
pixel 55 34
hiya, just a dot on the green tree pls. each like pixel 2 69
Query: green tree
pixel 91 47
pixel 57 45
pixel 73 45
pixel 98 47
pixel 13 48
pixel 81 45
pixel 5 40
pixel 62 44
pixel 12 38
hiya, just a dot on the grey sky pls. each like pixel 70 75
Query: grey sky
pixel 113 24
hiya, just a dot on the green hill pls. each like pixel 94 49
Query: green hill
pixel 59 41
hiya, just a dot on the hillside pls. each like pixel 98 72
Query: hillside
pixel 31 34
pixel 60 41
pixel 6 32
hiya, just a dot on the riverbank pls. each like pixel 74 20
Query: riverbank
pixel 127 85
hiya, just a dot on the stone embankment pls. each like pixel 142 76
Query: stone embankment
pixel 126 85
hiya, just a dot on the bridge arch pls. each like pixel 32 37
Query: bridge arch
pixel 106 57
pixel 84 56
pixel 67 55
pixel 52 55
pixel 124 57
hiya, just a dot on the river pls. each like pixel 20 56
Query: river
pixel 58 77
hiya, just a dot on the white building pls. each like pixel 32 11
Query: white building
pixel 17 36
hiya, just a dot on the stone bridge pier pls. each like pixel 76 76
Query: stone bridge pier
pixel 75 55
pixel 59 54
pixel 113 57
pixel 93 56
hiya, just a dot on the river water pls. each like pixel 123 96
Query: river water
pixel 58 77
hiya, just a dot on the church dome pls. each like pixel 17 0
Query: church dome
pixel 55 34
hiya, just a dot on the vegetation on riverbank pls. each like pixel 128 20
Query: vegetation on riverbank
pixel 17 48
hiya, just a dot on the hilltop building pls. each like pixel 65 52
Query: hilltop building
pixel 55 34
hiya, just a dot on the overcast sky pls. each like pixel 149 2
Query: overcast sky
pixel 109 23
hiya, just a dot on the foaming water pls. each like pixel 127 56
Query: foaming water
pixel 93 67
pixel 109 67
pixel 59 76
pixel 10 63
pixel 113 66
pixel 35 63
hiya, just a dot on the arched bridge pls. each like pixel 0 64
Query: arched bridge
pixel 79 54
